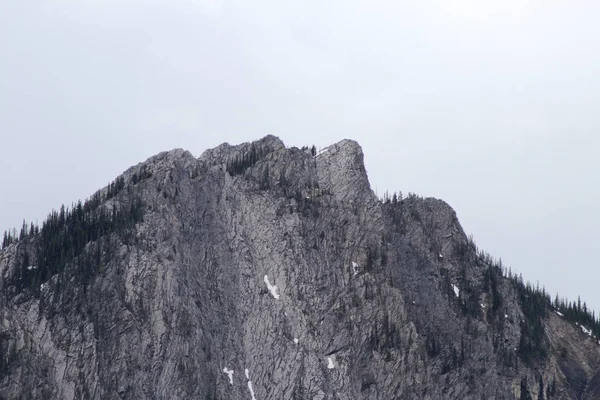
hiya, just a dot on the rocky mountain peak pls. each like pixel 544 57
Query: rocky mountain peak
pixel 226 152
pixel 342 171
pixel 261 272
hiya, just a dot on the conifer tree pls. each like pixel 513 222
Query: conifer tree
pixel 525 395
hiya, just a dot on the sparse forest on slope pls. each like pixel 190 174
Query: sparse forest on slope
pixel 65 234
pixel 535 301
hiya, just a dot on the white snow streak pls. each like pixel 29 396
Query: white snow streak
pixel 250 388
pixel 456 290
pixel 229 372
pixel 296 340
pixel 355 268
pixel 330 364
pixel 559 313
pixel 586 330
pixel 29 268
pixel 272 288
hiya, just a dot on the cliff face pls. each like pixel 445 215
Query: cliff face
pixel 262 272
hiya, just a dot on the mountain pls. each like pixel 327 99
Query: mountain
pixel 263 272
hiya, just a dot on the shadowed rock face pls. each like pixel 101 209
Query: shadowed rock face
pixel 261 272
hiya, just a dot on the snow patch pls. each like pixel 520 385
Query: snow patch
pixel 559 313
pixel 272 288
pixel 330 364
pixel 586 330
pixel 43 286
pixel 250 388
pixel 505 315
pixel 29 268
pixel 456 290
pixel 229 373
pixel 355 268
pixel 296 340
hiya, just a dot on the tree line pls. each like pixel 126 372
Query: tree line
pixel 64 234
pixel 241 162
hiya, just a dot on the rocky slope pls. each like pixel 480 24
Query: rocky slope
pixel 264 272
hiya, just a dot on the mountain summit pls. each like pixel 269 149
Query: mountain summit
pixel 263 272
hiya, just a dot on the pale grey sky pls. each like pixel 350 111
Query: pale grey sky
pixel 492 106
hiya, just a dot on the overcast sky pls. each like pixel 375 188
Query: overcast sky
pixel 492 106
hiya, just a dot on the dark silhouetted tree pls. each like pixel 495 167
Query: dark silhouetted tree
pixel 525 395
